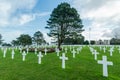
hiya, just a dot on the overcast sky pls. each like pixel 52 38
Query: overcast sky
pixel 102 16
pixel 28 16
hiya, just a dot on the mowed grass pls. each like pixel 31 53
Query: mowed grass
pixel 83 67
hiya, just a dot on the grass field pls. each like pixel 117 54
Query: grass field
pixel 83 67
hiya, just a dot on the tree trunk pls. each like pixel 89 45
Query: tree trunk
pixel 59 42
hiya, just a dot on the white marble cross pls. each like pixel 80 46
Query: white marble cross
pixel 35 50
pixel 65 50
pixel 73 52
pixel 105 63
pixel 4 52
pixel 95 54
pixel 91 50
pixel 111 51
pixel 27 50
pixel 20 50
pixel 9 48
pixel 45 51
pixel 58 51
pixel 63 60
pixel 16 48
pixel 104 49
pixel 23 54
pixel 13 52
pixel 39 57
pixel 119 49
pixel 78 50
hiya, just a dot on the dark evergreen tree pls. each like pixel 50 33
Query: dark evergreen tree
pixel 15 43
pixel 63 21
pixel 25 39
pixel 38 38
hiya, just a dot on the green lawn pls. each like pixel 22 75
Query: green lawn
pixel 83 67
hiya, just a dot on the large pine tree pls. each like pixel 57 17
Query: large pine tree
pixel 63 21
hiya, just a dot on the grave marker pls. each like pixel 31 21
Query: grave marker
pixel 111 51
pixel 13 52
pixel 27 50
pixel 20 50
pixel 58 51
pixel 100 48
pixel 45 51
pixel 95 54
pixel 105 63
pixel 2 49
pixel 65 50
pixel 35 50
pixel 119 49
pixel 63 60
pixel 104 49
pixel 23 54
pixel 78 50
pixel 4 52
pixel 73 52
pixel 39 57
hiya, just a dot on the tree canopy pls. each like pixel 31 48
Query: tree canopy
pixel 25 39
pixel 115 41
pixel 74 39
pixel 63 21
pixel 38 38
pixel 15 43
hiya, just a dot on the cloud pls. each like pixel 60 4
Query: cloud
pixel 103 14
pixel 23 4
pixel 25 18
pixel 11 15
pixel 42 14
pixel 16 12
pixel 115 33
pixel 107 33
pixel 20 3
pixel 4 13
pixel 10 35
pixel 47 38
